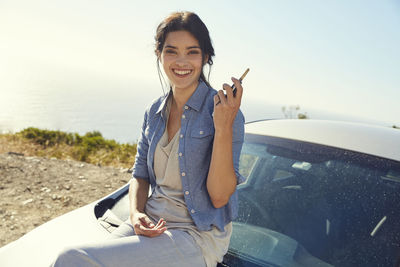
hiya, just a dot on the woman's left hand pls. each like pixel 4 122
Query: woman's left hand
pixel 221 179
pixel 226 107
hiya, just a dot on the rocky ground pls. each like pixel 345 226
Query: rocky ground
pixel 34 190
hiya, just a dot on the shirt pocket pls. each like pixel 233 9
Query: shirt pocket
pixel 202 132
pixel 203 129
pixel 201 140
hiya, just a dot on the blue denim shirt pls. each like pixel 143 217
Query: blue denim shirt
pixel 195 149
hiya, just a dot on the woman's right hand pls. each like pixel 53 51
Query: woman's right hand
pixel 144 226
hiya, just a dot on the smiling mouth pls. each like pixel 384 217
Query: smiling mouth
pixel 182 73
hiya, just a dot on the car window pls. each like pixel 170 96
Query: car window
pixel 252 155
pixel 310 205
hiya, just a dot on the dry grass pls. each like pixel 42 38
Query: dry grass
pixel 121 156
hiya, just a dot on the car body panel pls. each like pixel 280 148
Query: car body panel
pixel 250 245
pixel 42 244
pixel 374 140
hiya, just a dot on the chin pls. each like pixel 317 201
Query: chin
pixel 184 84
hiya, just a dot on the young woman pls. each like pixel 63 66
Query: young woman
pixel 188 153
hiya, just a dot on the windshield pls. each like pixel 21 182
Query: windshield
pixel 311 205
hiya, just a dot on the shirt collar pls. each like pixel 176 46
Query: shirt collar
pixel 194 102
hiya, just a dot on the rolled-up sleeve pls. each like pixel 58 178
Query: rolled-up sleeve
pixel 237 142
pixel 140 168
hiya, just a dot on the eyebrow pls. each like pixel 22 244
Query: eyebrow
pixel 189 47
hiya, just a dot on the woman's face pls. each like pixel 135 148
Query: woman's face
pixel 181 58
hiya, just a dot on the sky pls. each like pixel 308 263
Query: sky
pixel 325 56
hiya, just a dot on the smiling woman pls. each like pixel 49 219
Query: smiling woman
pixel 188 153
pixel 198 33
pixel 182 60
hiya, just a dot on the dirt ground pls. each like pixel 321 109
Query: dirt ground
pixel 34 190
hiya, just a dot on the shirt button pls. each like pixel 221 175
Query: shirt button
pixel 183 116
pixel 192 211
pixel 180 154
pixel 183 174
pixel 181 136
pixel 186 192
pixel 201 132
pixel 186 107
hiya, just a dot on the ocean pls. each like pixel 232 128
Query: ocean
pixel 116 112
pixel 114 108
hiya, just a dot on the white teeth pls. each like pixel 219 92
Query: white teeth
pixel 182 72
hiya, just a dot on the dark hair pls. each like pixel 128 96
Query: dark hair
pixel 186 21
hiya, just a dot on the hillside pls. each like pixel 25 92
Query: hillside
pixel 36 189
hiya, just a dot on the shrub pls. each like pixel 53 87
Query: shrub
pixel 46 137
pixel 91 147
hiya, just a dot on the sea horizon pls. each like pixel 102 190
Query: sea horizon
pixel 116 114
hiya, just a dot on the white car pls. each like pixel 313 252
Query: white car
pixel 318 193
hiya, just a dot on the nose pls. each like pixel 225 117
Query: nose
pixel 181 61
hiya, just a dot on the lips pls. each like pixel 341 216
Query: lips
pixel 182 72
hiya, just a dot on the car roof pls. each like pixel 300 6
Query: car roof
pixel 369 139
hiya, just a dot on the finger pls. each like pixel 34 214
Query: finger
pixel 160 225
pixel 229 93
pixel 216 100
pixel 239 88
pixel 136 226
pixel 142 230
pixel 222 97
pixel 139 225
pixel 151 232
pixel 162 230
pixel 139 229
pixel 146 222
pixel 161 222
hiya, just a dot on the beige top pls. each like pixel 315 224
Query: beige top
pixel 167 202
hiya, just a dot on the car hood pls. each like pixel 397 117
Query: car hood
pixel 40 246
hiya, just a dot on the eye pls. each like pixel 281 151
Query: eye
pixel 194 52
pixel 170 51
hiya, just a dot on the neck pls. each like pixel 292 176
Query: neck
pixel 182 95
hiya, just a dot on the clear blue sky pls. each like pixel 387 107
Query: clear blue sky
pixel 338 56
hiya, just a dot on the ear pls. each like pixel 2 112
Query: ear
pixel 205 59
